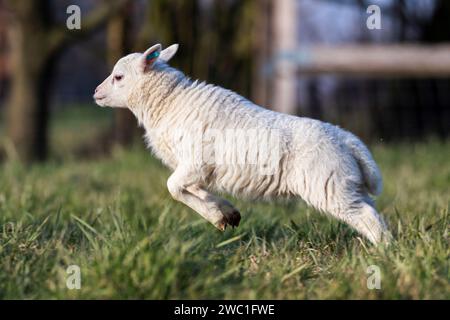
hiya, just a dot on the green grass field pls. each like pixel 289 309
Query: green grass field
pixel 114 218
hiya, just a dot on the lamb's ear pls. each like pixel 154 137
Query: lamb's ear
pixel 149 57
pixel 168 52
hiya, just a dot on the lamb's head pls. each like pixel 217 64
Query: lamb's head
pixel 127 73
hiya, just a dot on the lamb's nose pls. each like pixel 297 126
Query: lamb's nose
pixel 96 92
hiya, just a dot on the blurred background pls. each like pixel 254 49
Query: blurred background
pixel 310 58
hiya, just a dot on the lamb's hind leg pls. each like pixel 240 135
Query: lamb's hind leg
pixel 365 219
pixel 184 186
pixel 341 199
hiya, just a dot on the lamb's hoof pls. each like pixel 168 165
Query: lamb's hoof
pixel 230 218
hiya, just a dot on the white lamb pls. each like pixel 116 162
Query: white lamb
pixel 214 139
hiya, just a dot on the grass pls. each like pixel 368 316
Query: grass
pixel 114 218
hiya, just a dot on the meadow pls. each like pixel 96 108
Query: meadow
pixel 113 217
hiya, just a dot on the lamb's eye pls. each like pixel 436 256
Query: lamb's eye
pixel 118 77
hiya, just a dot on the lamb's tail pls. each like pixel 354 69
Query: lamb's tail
pixel 370 170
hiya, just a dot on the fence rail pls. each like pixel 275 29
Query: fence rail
pixel 372 60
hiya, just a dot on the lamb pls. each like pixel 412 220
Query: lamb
pixel 213 139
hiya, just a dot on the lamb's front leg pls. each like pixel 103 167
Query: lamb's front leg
pixel 231 215
pixel 184 186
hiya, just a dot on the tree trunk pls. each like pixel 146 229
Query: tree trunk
pixel 118 46
pixel 35 44
pixel 261 80
pixel 27 103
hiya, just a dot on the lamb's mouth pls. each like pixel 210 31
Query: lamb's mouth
pixel 100 101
